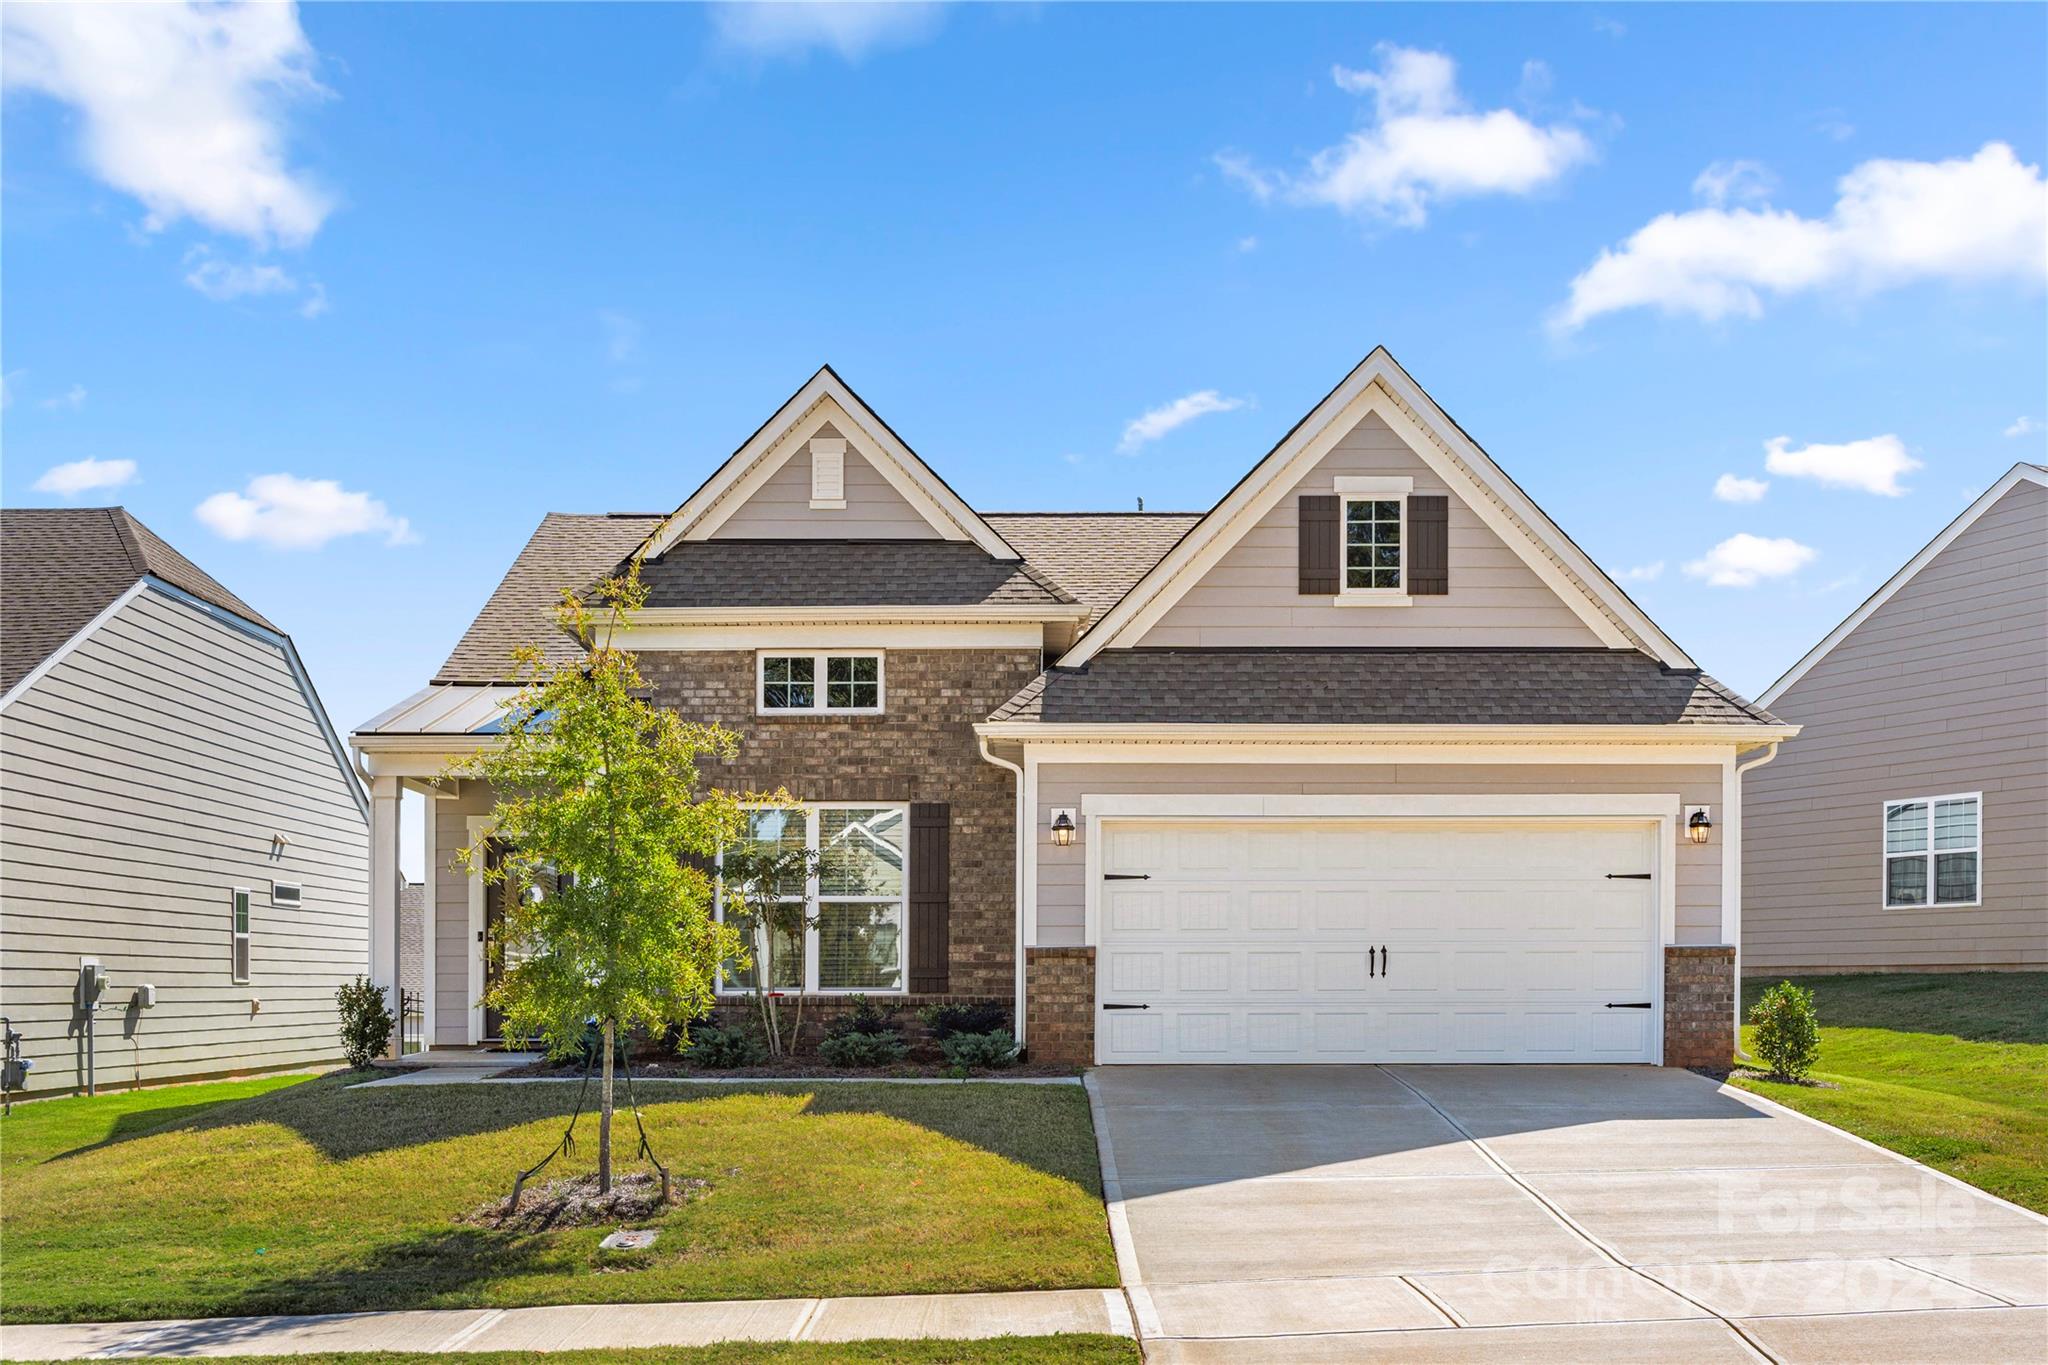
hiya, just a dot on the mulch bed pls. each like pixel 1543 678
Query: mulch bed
pixel 794 1069
pixel 575 1203
pixel 1746 1073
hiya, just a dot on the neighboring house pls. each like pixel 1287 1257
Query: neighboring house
pixel 1368 762
pixel 174 805
pixel 1907 830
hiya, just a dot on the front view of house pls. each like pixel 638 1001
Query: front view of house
pixel 1369 762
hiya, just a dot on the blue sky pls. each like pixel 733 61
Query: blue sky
pixel 451 267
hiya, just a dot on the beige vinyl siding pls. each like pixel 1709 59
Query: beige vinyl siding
pixel 1249 598
pixel 455 945
pixel 145 774
pixel 780 509
pixel 1943 689
pixel 1061 894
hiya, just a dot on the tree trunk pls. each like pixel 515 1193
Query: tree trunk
pixel 604 1119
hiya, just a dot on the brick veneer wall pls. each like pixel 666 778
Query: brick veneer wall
pixel 1059 1005
pixel 922 748
pixel 1699 1005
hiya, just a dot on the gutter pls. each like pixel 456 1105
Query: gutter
pixel 1770 752
pixel 1017 886
pixel 1227 733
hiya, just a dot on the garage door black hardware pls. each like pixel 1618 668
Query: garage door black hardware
pixel 1628 876
pixel 1383 959
pixel 1127 1007
pixel 1127 876
pixel 1631 1005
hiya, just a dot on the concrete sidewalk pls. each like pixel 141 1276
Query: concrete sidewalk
pixel 952 1317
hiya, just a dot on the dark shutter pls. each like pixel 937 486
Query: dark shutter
pixel 1319 544
pixel 931 896
pixel 1429 545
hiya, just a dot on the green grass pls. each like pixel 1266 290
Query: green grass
pixel 1058 1350
pixel 1950 1069
pixel 273 1197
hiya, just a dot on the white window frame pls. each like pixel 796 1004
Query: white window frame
pixel 1353 489
pixel 820 665
pixel 242 912
pixel 817 901
pixel 1885 857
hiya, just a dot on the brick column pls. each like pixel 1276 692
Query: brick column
pixel 1699 1005
pixel 1059 1005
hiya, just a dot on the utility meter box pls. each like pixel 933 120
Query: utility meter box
pixel 92 983
pixel 145 996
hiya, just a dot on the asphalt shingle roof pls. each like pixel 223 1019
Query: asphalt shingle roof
pixel 841 573
pixel 1376 687
pixel 1096 556
pixel 62 566
pixel 567 550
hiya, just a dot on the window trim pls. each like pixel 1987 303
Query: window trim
pixel 1885 856
pixel 241 911
pixel 1353 491
pixel 819 667
pixel 817 900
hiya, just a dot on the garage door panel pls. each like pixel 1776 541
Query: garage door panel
pixel 1273 912
pixel 1201 912
pixel 1343 910
pixel 1134 912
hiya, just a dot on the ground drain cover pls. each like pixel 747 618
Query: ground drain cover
pixel 630 1240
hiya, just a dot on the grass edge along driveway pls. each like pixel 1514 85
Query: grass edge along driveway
pixel 309 1196
pixel 1073 1349
pixel 1948 1068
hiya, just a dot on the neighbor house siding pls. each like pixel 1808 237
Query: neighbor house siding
pixel 1061 892
pixel 1250 597
pixel 781 508
pixel 1942 689
pixel 455 942
pixel 146 774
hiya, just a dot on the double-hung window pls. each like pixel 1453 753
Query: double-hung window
pixel 238 936
pixel 858 893
pixel 1933 848
pixel 824 683
pixel 1375 538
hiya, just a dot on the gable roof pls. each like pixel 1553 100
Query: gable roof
pixel 62 566
pixel 1379 384
pixel 2019 473
pixel 1096 556
pixel 826 398
pixel 566 551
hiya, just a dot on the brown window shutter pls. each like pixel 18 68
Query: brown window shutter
pixel 1320 544
pixel 1429 545
pixel 931 896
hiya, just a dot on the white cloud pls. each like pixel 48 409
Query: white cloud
pixel 2023 426
pixel 1160 420
pixel 1735 488
pixel 226 281
pixel 72 398
pixel 1742 181
pixel 1744 560
pixel 316 301
pixel 1832 125
pixel 1422 147
pixel 621 335
pixel 181 105
pixel 82 476
pixel 1644 573
pixel 286 512
pixel 1873 465
pixel 1246 245
pixel 849 28
pixel 1894 223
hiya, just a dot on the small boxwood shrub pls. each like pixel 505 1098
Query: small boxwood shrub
pixel 946 1020
pixel 863 1036
pixel 1787 1028
pixel 990 1051
pixel 365 1022
pixel 722 1049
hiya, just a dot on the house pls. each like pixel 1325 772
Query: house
pixel 177 811
pixel 1367 762
pixel 1907 830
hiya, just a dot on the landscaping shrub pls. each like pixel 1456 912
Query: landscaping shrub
pixel 1787 1028
pixel 863 1036
pixel 722 1049
pixel 365 1022
pixel 990 1051
pixel 946 1020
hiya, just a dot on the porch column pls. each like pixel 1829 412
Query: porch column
pixel 384 795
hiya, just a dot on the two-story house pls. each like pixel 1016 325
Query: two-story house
pixel 1368 762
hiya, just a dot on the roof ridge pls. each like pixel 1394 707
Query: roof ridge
pixel 131 544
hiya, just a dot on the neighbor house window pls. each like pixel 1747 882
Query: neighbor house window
pixel 858 894
pixel 238 936
pixel 1933 848
pixel 848 684
pixel 1372 544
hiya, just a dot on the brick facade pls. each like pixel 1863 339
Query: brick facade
pixel 1059 1004
pixel 922 748
pixel 1699 1005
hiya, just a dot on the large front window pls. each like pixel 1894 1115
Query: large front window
pixel 1932 850
pixel 858 894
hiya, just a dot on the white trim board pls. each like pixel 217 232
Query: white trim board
pixel 477 826
pixel 1590 740
pixel 1379 385
pixel 2019 473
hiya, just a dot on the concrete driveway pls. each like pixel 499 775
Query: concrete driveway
pixel 1537 1214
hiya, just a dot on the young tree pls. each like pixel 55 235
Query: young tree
pixel 604 835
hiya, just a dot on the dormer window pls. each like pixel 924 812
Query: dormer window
pixel 840 683
pixel 1374 526
pixel 828 472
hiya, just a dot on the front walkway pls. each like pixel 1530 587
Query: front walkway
pixel 955 1317
pixel 1535 1214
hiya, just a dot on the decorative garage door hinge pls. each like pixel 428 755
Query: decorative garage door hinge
pixel 1126 1007
pixel 1630 1005
pixel 1628 876
pixel 1127 876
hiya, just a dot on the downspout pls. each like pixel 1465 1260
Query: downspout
pixel 1770 752
pixel 1023 829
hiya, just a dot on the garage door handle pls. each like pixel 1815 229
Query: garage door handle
pixel 1631 1005
pixel 1383 960
pixel 1126 1007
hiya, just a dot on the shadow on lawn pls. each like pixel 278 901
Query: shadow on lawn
pixel 1977 1007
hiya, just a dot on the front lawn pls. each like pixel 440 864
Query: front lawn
pixel 1950 1069
pixel 1059 1350
pixel 201 1201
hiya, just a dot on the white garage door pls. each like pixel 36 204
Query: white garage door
pixel 1389 941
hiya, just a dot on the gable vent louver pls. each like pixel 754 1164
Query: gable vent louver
pixel 828 472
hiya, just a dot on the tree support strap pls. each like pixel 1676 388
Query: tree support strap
pixel 568 1142
pixel 646 1148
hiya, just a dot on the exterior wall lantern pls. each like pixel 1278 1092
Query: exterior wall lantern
pixel 1062 827
pixel 1699 825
